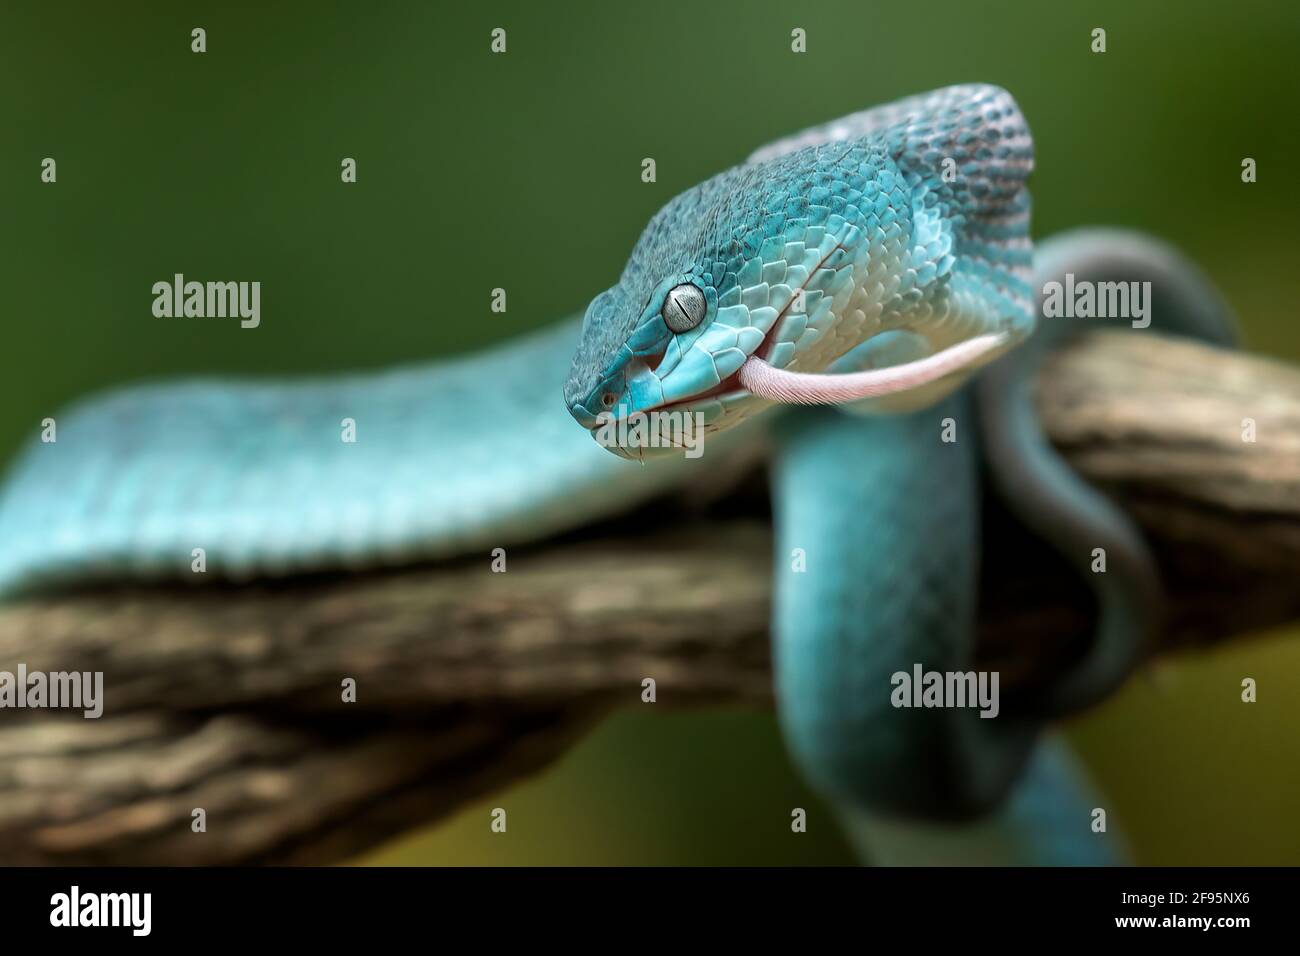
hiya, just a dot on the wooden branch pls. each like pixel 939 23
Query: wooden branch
pixel 228 699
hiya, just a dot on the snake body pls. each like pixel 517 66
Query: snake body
pixel 874 262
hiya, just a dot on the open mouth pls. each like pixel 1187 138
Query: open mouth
pixel 730 386
pixel 727 387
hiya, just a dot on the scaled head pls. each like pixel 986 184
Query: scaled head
pixel 757 260
pixel 883 238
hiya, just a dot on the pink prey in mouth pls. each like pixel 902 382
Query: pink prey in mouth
pixel 801 388
pixel 783 387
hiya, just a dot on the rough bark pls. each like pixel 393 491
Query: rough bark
pixel 228 699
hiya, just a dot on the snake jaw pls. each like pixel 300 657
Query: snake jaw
pixel 695 374
pixel 643 401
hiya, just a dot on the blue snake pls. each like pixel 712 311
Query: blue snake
pixel 879 266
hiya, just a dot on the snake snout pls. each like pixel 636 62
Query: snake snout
pixel 583 415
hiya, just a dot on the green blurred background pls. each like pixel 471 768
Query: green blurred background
pixel 522 171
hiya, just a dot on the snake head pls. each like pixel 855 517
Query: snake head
pixel 840 265
pixel 738 266
pixel 674 371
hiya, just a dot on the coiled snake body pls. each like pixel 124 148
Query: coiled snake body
pixel 873 262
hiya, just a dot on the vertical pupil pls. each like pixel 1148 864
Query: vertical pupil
pixel 680 307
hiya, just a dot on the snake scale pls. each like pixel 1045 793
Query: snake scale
pixel 873 263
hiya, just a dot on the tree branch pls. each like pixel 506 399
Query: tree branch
pixel 229 698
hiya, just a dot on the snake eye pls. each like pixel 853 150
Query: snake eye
pixel 684 307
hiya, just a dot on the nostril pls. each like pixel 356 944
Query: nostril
pixel 608 399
